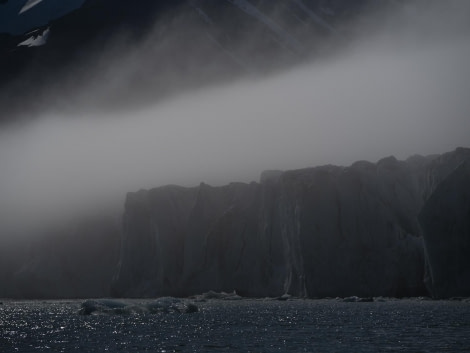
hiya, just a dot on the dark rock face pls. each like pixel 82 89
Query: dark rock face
pixel 355 230
pixel 181 241
pixel 445 219
pixel 325 231
pixel 364 230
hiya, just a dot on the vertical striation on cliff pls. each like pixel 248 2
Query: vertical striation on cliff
pixel 446 227
pixel 315 232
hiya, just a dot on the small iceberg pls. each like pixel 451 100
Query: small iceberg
pixel 284 297
pixel 164 305
pixel 355 299
pixel 217 295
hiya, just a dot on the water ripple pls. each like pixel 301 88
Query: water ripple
pixel 243 325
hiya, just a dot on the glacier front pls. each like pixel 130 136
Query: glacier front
pixel 316 232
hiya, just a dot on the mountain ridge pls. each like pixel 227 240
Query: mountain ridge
pixel 224 38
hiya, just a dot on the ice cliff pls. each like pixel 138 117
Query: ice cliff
pixel 446 227
pixel 368 229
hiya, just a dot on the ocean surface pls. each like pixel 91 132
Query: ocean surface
pixel 247 325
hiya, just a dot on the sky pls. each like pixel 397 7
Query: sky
pixel 400 89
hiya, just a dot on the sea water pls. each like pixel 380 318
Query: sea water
pixel 247 325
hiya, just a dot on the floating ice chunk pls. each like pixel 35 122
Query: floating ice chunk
pixel 165 305
pixel 104 306
pixel 355 299
pixel 216 295
pixel 116 307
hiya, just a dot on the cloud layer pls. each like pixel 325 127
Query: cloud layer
pixel 390 92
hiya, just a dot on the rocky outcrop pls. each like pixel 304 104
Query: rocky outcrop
pixel 324 231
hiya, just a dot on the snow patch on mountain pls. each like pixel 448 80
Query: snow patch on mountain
pixel 19 17
pixel 29 5
pixel 283 35
pixel 36 40
pixel 229 53
pixel 318 20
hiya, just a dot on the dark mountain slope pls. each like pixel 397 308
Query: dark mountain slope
pixel 172 45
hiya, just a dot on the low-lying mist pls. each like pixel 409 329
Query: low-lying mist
pixel 400 88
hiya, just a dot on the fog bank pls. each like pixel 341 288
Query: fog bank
pixel 386 94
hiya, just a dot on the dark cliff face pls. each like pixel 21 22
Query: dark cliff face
pixel 325 231
pixel 355 229
pixel 392 228
pixel 181 241
pixel 445 219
